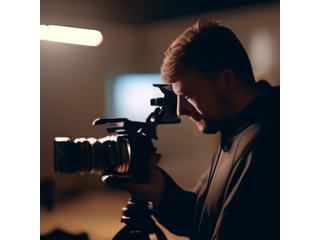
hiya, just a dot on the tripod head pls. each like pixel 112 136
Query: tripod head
pixel 139 223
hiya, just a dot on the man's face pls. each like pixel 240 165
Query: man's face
pixel 200 99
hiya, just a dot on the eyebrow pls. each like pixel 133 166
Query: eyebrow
pixel 181 93
pixel 180 90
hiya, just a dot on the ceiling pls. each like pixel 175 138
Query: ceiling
pixel 134 11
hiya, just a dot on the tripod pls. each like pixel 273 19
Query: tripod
pixel 138 222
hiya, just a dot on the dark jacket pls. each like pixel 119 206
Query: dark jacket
pixel 239 197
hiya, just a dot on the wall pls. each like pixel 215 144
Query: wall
pixel 72 85
pixel 258 28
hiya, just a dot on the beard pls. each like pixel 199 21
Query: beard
pixel 208 126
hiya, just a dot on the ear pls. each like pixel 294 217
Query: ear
pixel 228 79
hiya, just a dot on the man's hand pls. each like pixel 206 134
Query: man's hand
pixel 151 191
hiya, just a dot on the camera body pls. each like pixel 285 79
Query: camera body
pixel 125 151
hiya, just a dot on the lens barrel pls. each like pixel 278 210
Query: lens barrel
pixel 90 155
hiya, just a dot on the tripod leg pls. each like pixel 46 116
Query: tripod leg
pixel 139 222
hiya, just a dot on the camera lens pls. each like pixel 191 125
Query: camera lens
pixel 90 155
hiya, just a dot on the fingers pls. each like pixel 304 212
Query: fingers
pixel 118 182
pixel 136 190
pixel 148 190
pixel 155 159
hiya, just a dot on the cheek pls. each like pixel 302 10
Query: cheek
pixel 209 107
pixel 197 106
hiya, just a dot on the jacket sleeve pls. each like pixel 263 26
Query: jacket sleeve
pixel 176 209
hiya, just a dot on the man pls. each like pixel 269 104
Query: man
pixel 238 198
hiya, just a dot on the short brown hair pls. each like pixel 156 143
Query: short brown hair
pixel 206 47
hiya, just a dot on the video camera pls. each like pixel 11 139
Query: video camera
pixel 125 151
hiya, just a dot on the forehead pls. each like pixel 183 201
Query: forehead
pixel 186 82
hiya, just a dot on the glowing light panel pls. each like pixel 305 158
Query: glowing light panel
pixel 261 52
pixel 71 35
pixel 132 94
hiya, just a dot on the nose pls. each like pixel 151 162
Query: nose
pixel 183 106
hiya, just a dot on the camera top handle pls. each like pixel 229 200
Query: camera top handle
pixel 165 113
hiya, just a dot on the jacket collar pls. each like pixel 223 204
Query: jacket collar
pixel 252 113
